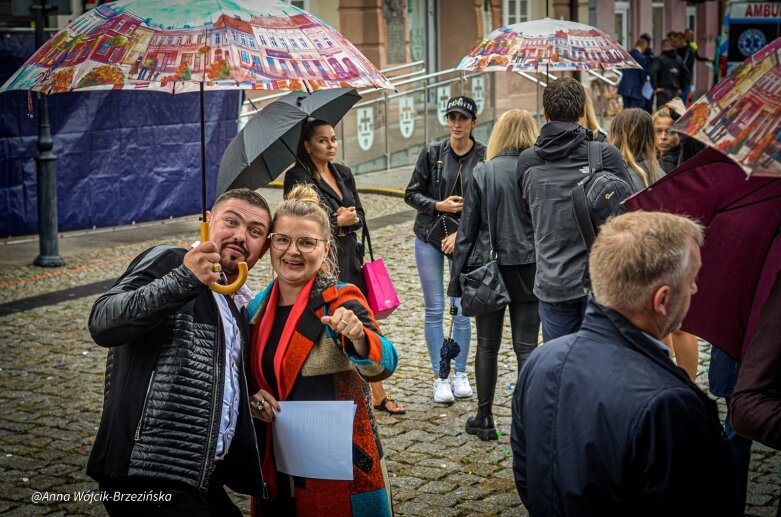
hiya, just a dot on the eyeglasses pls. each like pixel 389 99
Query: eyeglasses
pixel 282 242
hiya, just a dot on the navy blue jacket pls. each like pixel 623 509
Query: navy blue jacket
pixel 605 424
pixel 632 81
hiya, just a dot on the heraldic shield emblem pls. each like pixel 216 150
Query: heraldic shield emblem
pixel 407 115
pixel 365 127
pixel 443 95
pixel 478 93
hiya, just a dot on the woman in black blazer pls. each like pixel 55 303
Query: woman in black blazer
pixel 335 185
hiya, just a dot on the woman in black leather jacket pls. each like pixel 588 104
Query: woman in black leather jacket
pixel 436 188
pixel 514 131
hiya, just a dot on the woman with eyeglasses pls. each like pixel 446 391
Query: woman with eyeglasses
pixel 315 339
pixel 335 186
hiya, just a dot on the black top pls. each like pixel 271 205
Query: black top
pixel 267 361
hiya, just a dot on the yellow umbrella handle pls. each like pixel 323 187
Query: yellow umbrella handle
pixel 243 270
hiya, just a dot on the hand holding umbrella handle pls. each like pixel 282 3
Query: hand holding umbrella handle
pixel 243 269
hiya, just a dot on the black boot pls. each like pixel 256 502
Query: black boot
pixel 482 426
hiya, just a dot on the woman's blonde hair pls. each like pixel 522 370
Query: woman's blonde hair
pixel 632 131
pixel 590 117
pixel 514 129
pixel 303 202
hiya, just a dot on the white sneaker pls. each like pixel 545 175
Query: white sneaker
pixel 461 387
pixel 442 392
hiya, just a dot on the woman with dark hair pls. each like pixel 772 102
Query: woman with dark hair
pixel 436 191
pixel 335 186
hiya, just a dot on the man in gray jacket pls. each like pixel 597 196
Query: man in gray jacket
pixel 177 423
pixel 546 175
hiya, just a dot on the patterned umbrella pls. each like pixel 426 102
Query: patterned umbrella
pixel 741 116
pixel 180 46
pixel 555 45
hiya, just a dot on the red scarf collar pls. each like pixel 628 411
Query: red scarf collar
pixel 261 331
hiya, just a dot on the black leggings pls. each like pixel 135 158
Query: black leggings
pixel 525 323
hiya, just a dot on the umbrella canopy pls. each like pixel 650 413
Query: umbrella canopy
pixel 741 116
pixel 742 251
pixel 174 45
pixel 181 46
pixel 554 45
pixel 266 146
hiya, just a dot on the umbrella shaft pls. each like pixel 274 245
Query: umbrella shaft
pixel 203 159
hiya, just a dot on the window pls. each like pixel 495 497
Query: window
pixel 301 4
pixel 104 48
pixel 515 11
pixel 244 57
pixel 659 29
pixel 119 25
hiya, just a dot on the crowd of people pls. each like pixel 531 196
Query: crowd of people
pixel 606 418
pixel 663 77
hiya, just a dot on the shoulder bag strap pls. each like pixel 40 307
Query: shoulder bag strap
pixel 491 210
pixel 579 201
pixel 366 238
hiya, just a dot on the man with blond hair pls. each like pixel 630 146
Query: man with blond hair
pixel 604 423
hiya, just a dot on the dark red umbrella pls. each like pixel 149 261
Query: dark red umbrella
pixel 742 251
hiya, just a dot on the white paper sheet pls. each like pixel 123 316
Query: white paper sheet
pixel 315 439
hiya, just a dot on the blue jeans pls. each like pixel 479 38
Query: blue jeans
pixel 431 265
pixel 561 318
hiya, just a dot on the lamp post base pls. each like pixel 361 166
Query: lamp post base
pixel 48 261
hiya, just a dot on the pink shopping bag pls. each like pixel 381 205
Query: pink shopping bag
pixel 381 294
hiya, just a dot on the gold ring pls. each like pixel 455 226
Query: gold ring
pixel 216 267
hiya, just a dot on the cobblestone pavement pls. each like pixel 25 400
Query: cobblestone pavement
pixel 51 397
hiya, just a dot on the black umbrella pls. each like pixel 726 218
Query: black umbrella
pixel 449 350
pixel 266 146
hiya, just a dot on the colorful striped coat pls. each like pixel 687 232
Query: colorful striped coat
pixel 318 364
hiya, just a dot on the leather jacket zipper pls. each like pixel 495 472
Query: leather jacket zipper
pixel 137 436
pixel 254 436
pixel 218 381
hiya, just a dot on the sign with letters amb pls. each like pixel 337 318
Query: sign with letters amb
pixel 750 26
pixel 478 93
pixel 365 127
pixel 407 115
pixel 443 95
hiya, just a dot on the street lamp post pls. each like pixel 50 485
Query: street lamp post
pixel 45 164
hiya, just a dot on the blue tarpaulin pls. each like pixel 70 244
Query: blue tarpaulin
pixel 122 156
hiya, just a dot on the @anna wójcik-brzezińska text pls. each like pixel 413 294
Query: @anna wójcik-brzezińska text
pixel 97 496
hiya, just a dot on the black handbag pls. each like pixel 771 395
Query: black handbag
pixel 444 224
pixel 483 289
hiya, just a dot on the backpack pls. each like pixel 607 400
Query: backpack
pixel 597 196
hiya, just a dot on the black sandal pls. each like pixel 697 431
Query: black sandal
pixel 383 406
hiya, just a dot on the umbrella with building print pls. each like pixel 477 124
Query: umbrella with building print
pixel 741 116
pixel 180 46
pixel 552 45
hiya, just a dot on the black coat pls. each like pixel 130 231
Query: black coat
pixel 512 233
pixel 349 251
pixel 605 424
pixel 165 373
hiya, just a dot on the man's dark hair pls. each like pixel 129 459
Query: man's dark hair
pixel 246 195
pixel 564 100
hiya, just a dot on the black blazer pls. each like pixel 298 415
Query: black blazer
pixel 349 249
